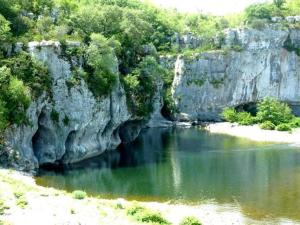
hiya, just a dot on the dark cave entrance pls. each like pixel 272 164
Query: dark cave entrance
pixel 250 107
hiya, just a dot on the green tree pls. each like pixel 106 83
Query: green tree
pixel 258 11
pixel 141 84
pixel 279 3
pixel 4 29
pixel 103 64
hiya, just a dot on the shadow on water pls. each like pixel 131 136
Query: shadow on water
pixel 190 165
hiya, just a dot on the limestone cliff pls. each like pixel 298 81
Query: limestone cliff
pixel 69 124
pixel 251 65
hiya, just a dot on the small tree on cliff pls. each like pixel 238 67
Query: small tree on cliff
pixel 279 3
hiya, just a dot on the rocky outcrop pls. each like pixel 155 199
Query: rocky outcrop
pixel 261 66
pixel 69 124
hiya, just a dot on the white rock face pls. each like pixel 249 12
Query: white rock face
pixel 86 127
pixel 208 82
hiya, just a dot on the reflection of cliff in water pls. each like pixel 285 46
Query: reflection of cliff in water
pixel 192 165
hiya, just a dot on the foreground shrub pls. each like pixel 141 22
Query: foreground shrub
pixel 284 127
pixel 245 118
pixel 274 111
pixel 268 125
pixel 230 115
pixel 79 195
pixel 190 221
pixel 144 215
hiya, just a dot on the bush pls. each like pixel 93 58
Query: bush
pixel 245 118
pixel 190 221
pixel 79 195
pixel 259 11
pixel 230 115
pixel 144 215
pixel 267 125
pixel 284 127
pixel 295 122
pixel 274 111
pixel 258 24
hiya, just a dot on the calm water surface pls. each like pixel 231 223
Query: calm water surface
pixel 193 166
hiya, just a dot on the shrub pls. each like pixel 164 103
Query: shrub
pixel 134 210
pixel 190 221
pixel 258 11
pixel 245 118
pixel 66 120
pixel 144 215
pixel 274 111
pixel 295 122
pixel 230 115
pixel 18 194
pixel 267 125
pixel 79 194
pixel 284 127
pixel 258 24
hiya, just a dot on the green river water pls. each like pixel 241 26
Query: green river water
pixel 192 166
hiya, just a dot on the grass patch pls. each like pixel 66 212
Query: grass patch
pixel 21 200
pixel 3 207
pixel 79 194
pixel 190 220
pixel 144 215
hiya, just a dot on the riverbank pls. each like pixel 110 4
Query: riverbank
pixel 255 133
pixel 24 202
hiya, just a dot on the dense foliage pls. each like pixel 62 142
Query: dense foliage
pixel 271 114
pixel 140 86
pixel 21 79
pixel 102 64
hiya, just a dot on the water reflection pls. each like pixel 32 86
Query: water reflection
pixel 192 166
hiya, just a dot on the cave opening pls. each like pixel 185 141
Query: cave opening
pixel 250 107
pixel 43 142
pixel 166 113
